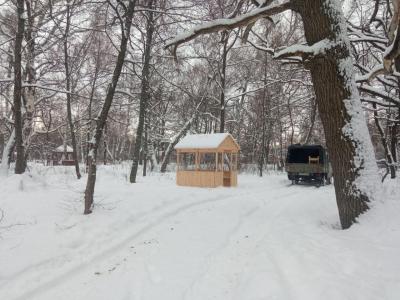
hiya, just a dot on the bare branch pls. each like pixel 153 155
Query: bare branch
pixel 228 24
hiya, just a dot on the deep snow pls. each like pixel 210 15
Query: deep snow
pixel 265 239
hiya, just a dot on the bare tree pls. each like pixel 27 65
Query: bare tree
pixel 145 90
pixel 18 124
pixel 68 88
pixel 102 118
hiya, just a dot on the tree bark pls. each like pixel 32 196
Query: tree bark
pixel 102 118
pixel 264 117
pixel 29 93
pixel 2 143
pixel 9 146
pixel 68 87
pixel 388 154
pixel 307 140
pixel 225 38
pixel 20 160
pixel 92 90
pixel 145 92
pixel 145 148
pixel 347 136
pixel 105 146
pixel 7 153
pixel 394 138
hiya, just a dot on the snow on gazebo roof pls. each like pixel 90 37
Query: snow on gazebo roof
pixel 61 149
pixel 202 141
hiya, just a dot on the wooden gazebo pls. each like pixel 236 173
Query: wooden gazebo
pixel 62 155
pixel 207 160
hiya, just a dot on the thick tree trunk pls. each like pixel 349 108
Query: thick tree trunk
pixel 102 118
pixel 347 136
pixel 68 87
pixel 29 93
pixel 145 92
pixel 20 160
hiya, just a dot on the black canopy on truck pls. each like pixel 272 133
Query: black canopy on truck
pixel 299 154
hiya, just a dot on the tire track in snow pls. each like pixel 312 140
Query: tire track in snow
pixel 232 253
pixel 154 218
pixel 290 264
pixel 109 252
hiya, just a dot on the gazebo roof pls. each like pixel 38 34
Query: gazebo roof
pixel 205 141
pixel 61 149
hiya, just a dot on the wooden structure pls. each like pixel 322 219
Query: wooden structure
pixel 313 160
pixel 207 160
pixel 61 156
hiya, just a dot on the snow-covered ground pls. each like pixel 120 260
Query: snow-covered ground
pixel 265 239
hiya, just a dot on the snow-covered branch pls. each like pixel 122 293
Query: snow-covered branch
pixel 228 24
pixel 381 94
pixel 305 51
pixel 378 70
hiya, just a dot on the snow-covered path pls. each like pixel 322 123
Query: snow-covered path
pixel 265 239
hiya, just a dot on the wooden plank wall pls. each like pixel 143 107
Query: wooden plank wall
pixel 228 145
pixel 199 178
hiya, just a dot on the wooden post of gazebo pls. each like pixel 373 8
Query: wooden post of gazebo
pixel 207 160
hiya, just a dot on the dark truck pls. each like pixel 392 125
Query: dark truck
pixel 308 163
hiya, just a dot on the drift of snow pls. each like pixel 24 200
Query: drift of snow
pixel 265 239
pixel 202 141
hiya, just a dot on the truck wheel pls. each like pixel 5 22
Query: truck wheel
pixel 328 179
pixel 320 181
